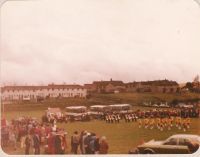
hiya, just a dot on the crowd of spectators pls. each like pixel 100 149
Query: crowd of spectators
pixel 44 138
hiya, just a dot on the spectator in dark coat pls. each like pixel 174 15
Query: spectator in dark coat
pixel 81 142
pixel 58 147
pixel 87 143
pixel 75 142
pixel 36 143
pixel 96 146
pixel 27 144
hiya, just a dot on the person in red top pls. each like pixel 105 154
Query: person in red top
pixel 51 141
pixel 64 143
pixel 47 130
pixel 103 147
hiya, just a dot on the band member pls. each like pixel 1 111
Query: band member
pixel 152 122
pixel 161 126
pixel 146 121
pixel 168 123
pixel 107 119
pixel 188 122
pixel 179 123
pixel 139 123
pixel 158 123
pixel 184 125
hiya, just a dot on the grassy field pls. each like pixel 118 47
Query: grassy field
pixel 134 99
pixel 121 137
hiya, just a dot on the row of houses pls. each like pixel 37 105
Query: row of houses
pixel 112 86
pixel 12 93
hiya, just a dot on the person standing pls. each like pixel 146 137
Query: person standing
pixel 96 146
pixel 58 140
pixel 64 143
pixel 27 144
pixel 81 142
pixel 87 143
pixel 75 142
pixel 13 139
pixel 103 147
pixel 51 143
pixel 36 143
pixel 92 143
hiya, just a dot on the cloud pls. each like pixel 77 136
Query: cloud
pixel 81 41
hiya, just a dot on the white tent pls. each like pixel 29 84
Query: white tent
pixel 120 107
pixel 99 108
pixel 76 109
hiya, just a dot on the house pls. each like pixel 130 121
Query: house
pixel 90 87
pixel 15 93
pixel 109 86
pixel 157 86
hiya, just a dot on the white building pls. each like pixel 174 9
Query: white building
pixel 12 93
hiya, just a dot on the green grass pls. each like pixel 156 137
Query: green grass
pixel 121 137
pixel 105 99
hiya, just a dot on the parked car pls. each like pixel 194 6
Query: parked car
pixel 176 144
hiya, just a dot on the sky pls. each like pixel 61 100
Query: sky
pixel 80 41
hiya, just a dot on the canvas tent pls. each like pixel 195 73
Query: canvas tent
pixel 120 107
pixel 98 108
pixel 76 109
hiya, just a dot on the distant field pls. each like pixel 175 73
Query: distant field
pixel 134 99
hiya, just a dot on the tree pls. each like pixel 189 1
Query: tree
pixel 196 79
pixel 189 85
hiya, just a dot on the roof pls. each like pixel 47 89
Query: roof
pixel 119 105
pixel 88 85
pixel 98 106
pixel 155 83
pixel 64 86
pixel 186 136
pixel 76 107
pixel 160 83
pixel 105 83
pixel 50 86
